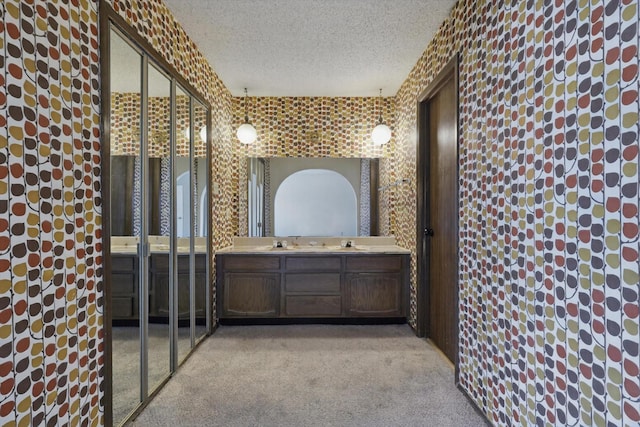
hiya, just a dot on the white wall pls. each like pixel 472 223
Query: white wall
pixel 316 202
pixel 282 167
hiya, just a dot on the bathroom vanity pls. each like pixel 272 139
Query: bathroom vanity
pixel 125 278
pixel 313 279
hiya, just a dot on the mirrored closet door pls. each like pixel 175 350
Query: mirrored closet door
pixel 158 299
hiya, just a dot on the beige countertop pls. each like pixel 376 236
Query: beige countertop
pixel 115 249
pixel 157 245
pixel 315 245
pixel 292 250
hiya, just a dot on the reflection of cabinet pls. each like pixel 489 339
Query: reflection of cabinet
pixel 159 281
pixel 124 286
pixel 125 283
pixel 312 285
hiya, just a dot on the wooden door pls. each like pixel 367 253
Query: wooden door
pixel 438 214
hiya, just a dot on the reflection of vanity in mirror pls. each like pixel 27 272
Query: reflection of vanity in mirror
pixel 325 197
pixel 128 205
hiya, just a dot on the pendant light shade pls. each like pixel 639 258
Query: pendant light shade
pixel 381 134
pixel 246 133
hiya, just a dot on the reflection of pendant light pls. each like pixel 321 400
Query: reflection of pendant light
pixel 246 133
pixel 381 133
pixel 203 133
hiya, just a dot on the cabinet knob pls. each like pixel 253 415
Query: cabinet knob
pixel 428 232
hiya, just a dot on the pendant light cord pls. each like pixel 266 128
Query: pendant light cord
pixel 246 107
pixel 380 106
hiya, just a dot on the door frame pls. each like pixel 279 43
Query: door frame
pixel 448 72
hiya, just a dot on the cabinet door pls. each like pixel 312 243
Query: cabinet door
pixel 201 297
pixel 201 289
pixel 375 294
pixel 251 294
pixel 124 287
pixel 159 287
pixel 200 292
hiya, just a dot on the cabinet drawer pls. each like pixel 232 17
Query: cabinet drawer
pixel 201 262
pixel 124 308
pixel 161 262
pixel 312 283
pixel 313 263
pixel 251 263
pixel 123 262
pixel 374 263
pixel 300 305
pixel 123 283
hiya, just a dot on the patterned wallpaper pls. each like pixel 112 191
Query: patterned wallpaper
pixel 548 199
pixel 313 127
pixel 153 21
pixel 308 127
pixel 549 269
pixel 51 303
pixel 125 130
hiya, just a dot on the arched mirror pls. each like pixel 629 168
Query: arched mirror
pixel 316 202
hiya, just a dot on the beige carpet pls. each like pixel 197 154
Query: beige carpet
pixel 126 362
pixel 312 375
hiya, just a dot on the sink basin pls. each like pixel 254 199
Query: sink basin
pixel 345 249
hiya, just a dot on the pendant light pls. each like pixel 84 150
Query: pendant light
pixel 246 133
pixel 381 133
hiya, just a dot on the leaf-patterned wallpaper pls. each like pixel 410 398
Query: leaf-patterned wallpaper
pixel 51 332
pixel 309 127
pixel 125 132
pixel 549 285
pixel 155 23
pixel 548 245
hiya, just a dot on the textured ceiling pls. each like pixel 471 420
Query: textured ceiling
pixel 311 47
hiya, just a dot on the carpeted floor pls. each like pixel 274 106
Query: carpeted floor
pixel 312 375
pixel 126 362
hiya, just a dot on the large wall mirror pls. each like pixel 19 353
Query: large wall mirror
pixel 157 268
pixel 325 197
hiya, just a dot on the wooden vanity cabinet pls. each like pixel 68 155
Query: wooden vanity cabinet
pixel 374 286
pixel 312 285
pixel 250 286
